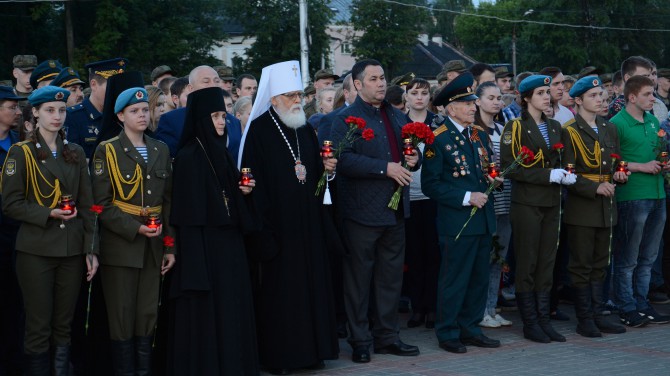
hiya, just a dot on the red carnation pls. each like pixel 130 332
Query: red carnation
pixel 97 209
pixel 558 146
pixel 168 241
pixel 368 134
pixel 528 155
pixel 615 156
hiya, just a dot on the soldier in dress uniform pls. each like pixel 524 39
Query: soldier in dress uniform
pixel 132 180
pixel 85 120
pixel 38 174
pixel 590 211
pixel 23 68
pixel 69 79
pixel 535 206
pixel 44 73
pixel 454 175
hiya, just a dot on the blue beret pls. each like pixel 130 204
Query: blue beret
pixel 129 97
pixel 533 82
pixel 7 93
pixel 584 84
pixel 107 68
pixel 47 69
pixel 67 77
pixel 48 94
pixel 458 90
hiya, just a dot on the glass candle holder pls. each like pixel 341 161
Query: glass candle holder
pixel 570 168
pixel 407 148
pixel 246 176
pixel 493 170
pixel 66 203
pixel 153 220
pixel 327 149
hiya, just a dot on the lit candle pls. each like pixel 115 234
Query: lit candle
pixel 66 203
pixel 327 149
pixel 493 170
pixel 570 168
pixel 622 167
pixel 664 158
pixel 246 177
pixel 408 148
pixel 153 221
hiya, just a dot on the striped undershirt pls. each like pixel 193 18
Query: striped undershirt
pixel 143 152
pixel 544 131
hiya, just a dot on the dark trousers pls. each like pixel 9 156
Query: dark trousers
pixel 12 317
pixel 463 286
pixel 131 295
pixel 50 286
pixel 422 256
pixel 374 263
pixel 589 254
pixel 535 235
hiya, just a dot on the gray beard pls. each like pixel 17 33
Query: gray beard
pixel 292 120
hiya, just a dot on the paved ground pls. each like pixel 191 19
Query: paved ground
pixel 643 351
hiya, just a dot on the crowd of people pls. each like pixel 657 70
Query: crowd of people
pixel 183 228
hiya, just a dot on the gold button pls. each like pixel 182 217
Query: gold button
pixel 127 176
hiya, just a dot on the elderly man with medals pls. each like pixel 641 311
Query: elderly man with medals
pixel 294 300
pixel 591 146
pixel 454 174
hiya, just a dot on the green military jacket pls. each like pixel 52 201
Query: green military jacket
pixel 31 188
pixel 531 182
pixel 123 183
pixel 583 207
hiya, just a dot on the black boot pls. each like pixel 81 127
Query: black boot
pixel 123 357
pixel 531 329
pixel 38 364
pixel 586 327
pixel 62 361
pixel 143 355
pixel 543 312
pixel 601 320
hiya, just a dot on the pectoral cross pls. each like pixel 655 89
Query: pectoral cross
pixel 295 71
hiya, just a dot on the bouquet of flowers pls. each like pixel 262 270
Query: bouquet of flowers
pixel 416 133
pixel 526 156
pixel 354 124
pixel 96 209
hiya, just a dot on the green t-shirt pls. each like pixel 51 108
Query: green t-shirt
pixel 638 144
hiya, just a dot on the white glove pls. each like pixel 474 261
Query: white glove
pixel 557 175
pixel 569 179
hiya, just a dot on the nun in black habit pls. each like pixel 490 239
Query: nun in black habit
pixel 212 329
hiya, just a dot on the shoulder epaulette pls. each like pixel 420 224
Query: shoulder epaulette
pixel 478 127
pixel 20 143
pixel 569 123
pixel 110 140
pixel 76 107
pixel 441 129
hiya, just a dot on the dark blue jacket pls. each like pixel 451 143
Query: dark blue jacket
pixel 14 138
pixel 82 125
pixel 361 168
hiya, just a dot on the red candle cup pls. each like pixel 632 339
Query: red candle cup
pixel 622 167
pixel 153 221
pixel 493 170
pixel 66 203
pixel 663 158
pixel 327 149
pixel 246 177
pixel 407 148
pixel 570 168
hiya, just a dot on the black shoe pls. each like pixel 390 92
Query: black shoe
pixel 123 357
pixel 399 348
pixel 633 319
pixel 598 301
pixel 361 354
pixel 342 331
pixel 430 320
pixel 417 319
pixel 586 325
pixel 528 311
pixel 654 317
pixel 143 355
pixel 453 346
pixel 38 364
pixel 543 316
pixel 481 341
pixel 61 364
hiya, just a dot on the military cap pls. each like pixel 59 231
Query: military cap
pixel 404 79
pixel 225 72
pixel 454 66
pixel 48 94
pixel 324 73
pixel 583 85
pixel 588 71
pixel 67 77
pixel 309 90
pixel 107 68
pixel 7 93
pixel 664 73
pixel 48 69
pixel 458 90
pixel 442 76
pixel 533 82
pixel 502 72
pixel 606 77
pixel 159 71
pixel 129 97
pixel 25 62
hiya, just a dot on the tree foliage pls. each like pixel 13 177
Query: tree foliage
pixel 490 40
pixel 444 22
pixel 276 26
pixel 390 31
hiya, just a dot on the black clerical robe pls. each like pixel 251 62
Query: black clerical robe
pixel 294 301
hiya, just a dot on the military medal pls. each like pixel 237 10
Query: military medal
pixel 448 147
pixel 461 142
pixel 462 171
pixel 300 169
pixel 455 174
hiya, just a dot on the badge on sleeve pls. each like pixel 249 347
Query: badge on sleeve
pixel 10 167
pixel 507 138
pixel 430 154
pixel 98 166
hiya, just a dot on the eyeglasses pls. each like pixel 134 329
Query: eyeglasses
pixel 11 108
pixel 294 96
